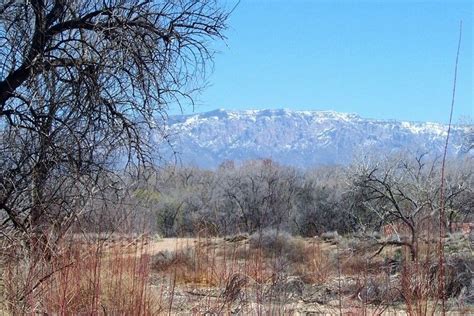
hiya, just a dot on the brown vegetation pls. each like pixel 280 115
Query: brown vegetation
pixel 260 274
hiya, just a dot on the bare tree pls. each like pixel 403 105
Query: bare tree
pixel 404 192
pixel 322 205
pixel 82 82
pixel 262 194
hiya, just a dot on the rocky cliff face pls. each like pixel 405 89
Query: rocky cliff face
pixel 300 138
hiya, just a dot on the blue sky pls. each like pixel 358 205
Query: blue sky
pixel 380 59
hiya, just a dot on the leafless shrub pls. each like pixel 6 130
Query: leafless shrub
pixel 459 273
pixel 281 244
pixel 331 236
pixel 234 287
pixel 165 260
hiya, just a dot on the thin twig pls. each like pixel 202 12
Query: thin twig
pixel 442 198
pixel 43 279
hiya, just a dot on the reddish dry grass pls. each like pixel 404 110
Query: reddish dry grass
pixel 316 266
pixel 88 278
pixel 81 279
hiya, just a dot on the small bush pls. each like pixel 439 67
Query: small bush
pixel 273 242
pixel 459 277
pixel 317 266
pixel 164 260
pixel 237 238
pixel 330 236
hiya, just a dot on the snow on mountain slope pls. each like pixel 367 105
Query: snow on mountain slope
pixel 299 138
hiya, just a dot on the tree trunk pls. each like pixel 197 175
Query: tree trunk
pixel 38 217
pixel 414 245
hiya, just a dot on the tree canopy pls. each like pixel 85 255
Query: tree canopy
pixel 82 81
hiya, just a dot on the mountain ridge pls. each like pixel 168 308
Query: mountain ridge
pixel 300 138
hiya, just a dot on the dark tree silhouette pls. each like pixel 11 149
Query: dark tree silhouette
pixel 83 81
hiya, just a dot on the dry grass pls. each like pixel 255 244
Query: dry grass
pixel 81 278
pixel 210 275
pixel 317 266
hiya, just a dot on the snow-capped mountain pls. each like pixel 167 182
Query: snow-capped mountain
pixel 300 138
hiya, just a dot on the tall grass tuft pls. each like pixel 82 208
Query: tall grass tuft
pixel 83 277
